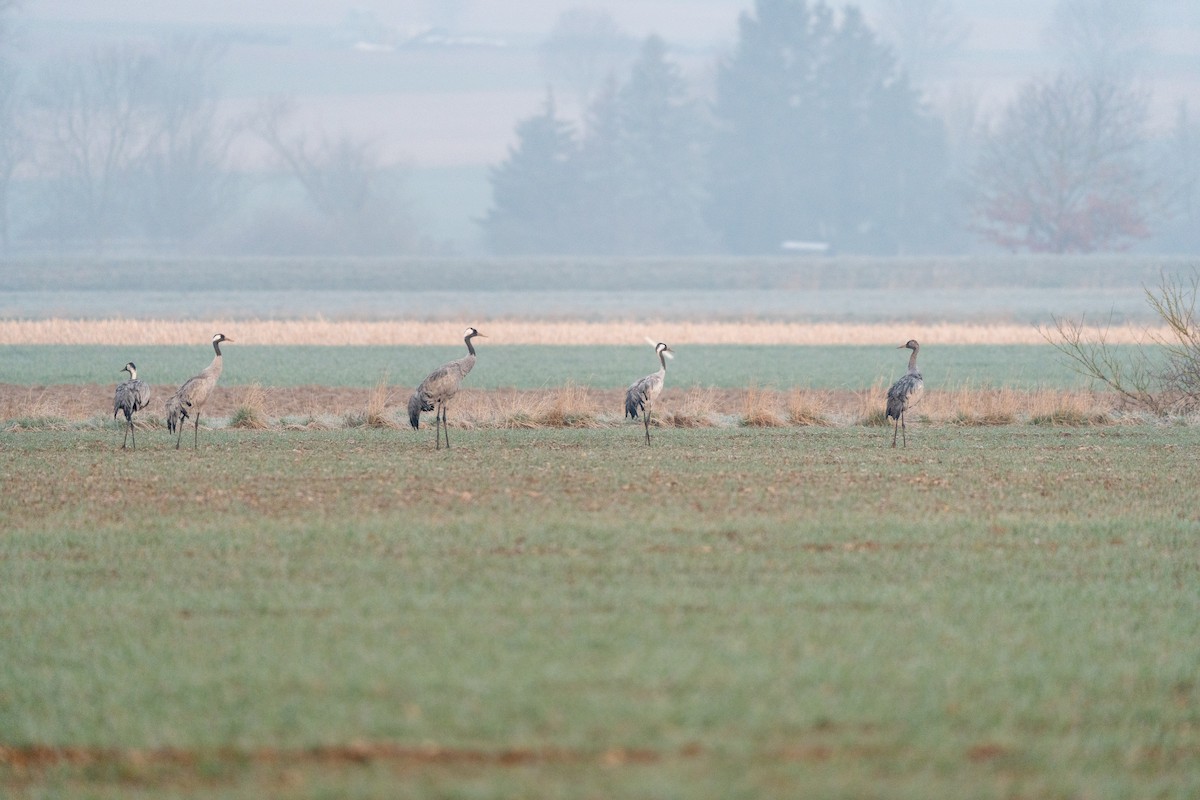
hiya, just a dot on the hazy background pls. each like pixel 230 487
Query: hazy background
pixel 435 90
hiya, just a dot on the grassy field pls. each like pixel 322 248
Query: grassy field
pixel 1028 290
pixel 532 367
pixel 993 613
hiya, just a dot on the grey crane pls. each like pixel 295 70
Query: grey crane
pixel 641 394
pixel 439 386
pixel 189 399
pixel 132 395
pixel 905 392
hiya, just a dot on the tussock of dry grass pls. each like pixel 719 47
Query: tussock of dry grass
pixel 870 405
pixel 570 406
pixel 252 413
pixel 696 410
pixel 805 408
pixel 518 331
pixel 761 409
pixel 377 402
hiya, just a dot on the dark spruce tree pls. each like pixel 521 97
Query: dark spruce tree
pixel 820 137
pixel 534 198
pixel 662 135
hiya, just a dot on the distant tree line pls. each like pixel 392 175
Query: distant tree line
pixel 816 135
pixel 124 148
pixel 812 132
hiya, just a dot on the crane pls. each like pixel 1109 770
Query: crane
pixel 905 392
pixel 641 394
pixel 439 386
pixel 131 395
pixel 189 399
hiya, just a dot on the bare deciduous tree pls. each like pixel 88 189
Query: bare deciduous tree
pixel 1162 382
pixel 93 118
pixel 358 199
pixel 186 179
pixel 1063 171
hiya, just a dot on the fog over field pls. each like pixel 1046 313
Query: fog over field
pixel 378 127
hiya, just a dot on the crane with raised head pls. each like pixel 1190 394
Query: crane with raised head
pixel 189 399
pixel 131 396
pixel 641 394
pixel 439 387
pixel 905 392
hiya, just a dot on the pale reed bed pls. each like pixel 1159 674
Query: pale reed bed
pixel 531 332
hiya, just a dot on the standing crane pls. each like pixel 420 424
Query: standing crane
pixel 642 393
pixel 189 399
pixel 905 392
pixel 132 395
pixel 439 386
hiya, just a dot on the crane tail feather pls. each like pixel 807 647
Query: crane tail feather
pixel 634 402
pixel 416 404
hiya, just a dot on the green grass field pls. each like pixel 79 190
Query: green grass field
pixel 992 613
pixel 531 367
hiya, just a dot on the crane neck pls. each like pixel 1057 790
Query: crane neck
pixel 132 374
pixel 912 360
pixel 662 359
pixel 470 347
pixel 217 348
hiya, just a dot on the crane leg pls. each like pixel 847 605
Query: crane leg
pixel 895 430
pixel 132 435
pixel 196 433
pixel 125 437
pixel 646 420
pixel 903 430
pixel 445 428
pixel 179 434
pixel 437 426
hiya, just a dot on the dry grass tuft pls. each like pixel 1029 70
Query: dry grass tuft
pixel 570 406
pixel 870 407
pixel 695 411
pixel 807 408
pixel 1054 407
pixel 972 407
pixel 251 414
pixel 377 402
pixel 760 409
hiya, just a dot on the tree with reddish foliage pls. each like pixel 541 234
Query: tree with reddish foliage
pixel 1063 171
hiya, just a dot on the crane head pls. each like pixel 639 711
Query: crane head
pixel 470 333
pixel 131 368
pixel 911 344
pixel 220 337
pixel 661 347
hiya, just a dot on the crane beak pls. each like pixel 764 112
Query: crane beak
pixel 229 340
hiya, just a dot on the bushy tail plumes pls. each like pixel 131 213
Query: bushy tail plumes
pixel 416 404
pixel 176 412
pixel 635 401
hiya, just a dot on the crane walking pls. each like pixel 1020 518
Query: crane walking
pixel 641 394
pixel 439 386
pixel 189 399
pixel 905 392
pixel 132 395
